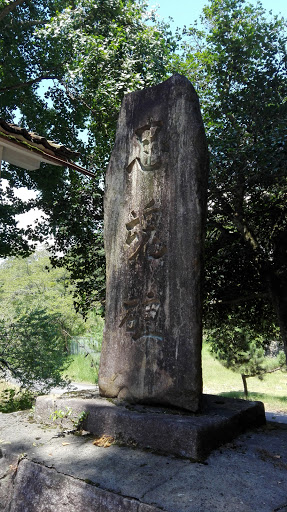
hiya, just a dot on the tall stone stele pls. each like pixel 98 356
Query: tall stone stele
pixel 155 208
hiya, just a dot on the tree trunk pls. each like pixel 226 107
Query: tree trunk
pixel 282 320
pixel 278 291
pixel 244 380
pixel 277 281
pixel 10 7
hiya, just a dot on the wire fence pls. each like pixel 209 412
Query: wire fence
pixel 84 345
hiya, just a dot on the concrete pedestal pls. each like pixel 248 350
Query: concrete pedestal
pixel 162 430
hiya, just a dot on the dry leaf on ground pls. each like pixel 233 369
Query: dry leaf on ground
pixel 104 441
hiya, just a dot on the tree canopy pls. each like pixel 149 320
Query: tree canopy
pixel 37 320
pixel 65 67
pixel 237 60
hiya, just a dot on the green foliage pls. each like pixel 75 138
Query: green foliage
pixel 32 350
pixel 237 61
pixel 236 350
pixel 219 380
pixel 32 284
pixel 66 67
pixel 95 326
pixel 242 349
pixel 12 239
pixel 37 321
pixel 77 420
pixel 12 400
pixel 60 414
pixel 83 368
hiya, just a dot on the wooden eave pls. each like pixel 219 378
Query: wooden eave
pixel 19 151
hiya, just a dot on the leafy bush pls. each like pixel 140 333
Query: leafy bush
pixel 242 349
pixel 32 351
pixel 12 400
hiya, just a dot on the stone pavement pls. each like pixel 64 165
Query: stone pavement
pixel 277 417
pixel 45 469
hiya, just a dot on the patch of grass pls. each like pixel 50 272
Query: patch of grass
pixel 83 369
pixel 272 389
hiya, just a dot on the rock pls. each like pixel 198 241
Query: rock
pixel 41 489
pixel 8 464
pixel 155 210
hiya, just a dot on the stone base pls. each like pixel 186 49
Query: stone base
pixel 42 489
pixel 163 430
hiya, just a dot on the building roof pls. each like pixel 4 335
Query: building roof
pixel 27 149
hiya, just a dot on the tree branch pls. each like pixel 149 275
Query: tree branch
pixel 10 7
pixel 237 220
pixel 245 298
pixel 32 23
pixel 245 231
pixel 76 98
pixel 27 84
pixel 4 363
pixel 264 372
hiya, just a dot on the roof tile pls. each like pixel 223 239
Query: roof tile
pixel 48 146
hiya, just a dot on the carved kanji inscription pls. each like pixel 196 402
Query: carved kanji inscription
pixel 155 204
pixel 141 317
pixel 142 233
pixel 141 314
pixel 147 148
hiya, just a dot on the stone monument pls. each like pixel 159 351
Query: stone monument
pixel 154 227
pixel 155 208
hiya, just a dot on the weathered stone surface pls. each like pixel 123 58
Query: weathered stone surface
pixel 41 489
pixel 162 430
pixel 247 475
pixel 154 227
pixel 8 463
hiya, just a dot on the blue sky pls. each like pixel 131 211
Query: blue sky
pixel 185 12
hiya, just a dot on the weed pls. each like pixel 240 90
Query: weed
pixel 76 420
pixel 60 415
